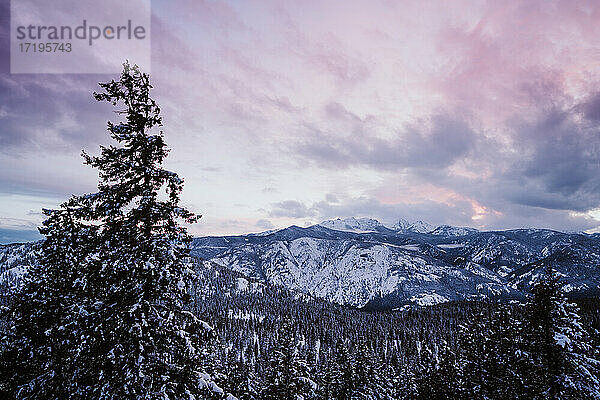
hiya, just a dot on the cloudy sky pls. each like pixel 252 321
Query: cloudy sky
pixel 473 113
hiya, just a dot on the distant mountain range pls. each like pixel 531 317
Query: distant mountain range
pixel 362 263
pixel 363 225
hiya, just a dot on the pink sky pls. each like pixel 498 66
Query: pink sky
pixel 469 113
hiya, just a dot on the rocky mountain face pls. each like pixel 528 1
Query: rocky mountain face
pixel 362 263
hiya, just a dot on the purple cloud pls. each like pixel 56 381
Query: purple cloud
pixel 487 115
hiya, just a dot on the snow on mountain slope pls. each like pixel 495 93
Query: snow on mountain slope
pixel 352 224
pixel 396 268
pixel 363 263
pixel 18 254
pixel 363 225
pixel 354 273
pixel 263 233
pixel 421 227
pixel 401 226
pixel 447 230
pixel 11 277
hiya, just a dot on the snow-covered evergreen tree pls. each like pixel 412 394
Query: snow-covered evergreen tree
pixel 439 376
pixel 287 376
pixel 328 377
pixel 38 349
pixel 405 384
pixel 560 359
pixel 502 349
pixel 472 366
pixel 367 382
pixel 240 380
pixel 104 316
pixel 337 381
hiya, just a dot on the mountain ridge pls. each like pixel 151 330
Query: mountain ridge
pixel 366 224
pixel 363 263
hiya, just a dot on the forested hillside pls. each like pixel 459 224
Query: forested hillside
pixel 330 351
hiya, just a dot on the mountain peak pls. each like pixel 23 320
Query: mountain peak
pixel 401 225
pixel 421 227
pixel 361 225
pixel 353 224
pixel 448 230
pixel 364 225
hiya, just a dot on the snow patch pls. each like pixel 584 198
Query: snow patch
pixel 562 340
pixel 242 284
pixel 451 245
pixel 428 299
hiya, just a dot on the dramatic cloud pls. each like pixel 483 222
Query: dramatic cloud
pixel 469 113
pixel 290 208
pixel 558 164
pixel 591 108
pixel 434 146
pixel 459 212
pixel 264 224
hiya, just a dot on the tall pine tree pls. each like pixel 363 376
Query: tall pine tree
pixel 287 376
pixel 38 347
pixel 105 314
pixel 560 360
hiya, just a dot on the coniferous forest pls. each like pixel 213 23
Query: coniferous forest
pixel 116 308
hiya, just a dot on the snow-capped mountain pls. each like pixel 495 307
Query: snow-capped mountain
pixel 421 227
pixel 363 225
pixel 352 224
pixel 401 226
pixel 447 230
pixel 363 263
pixel 353 270
pixel 368 264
